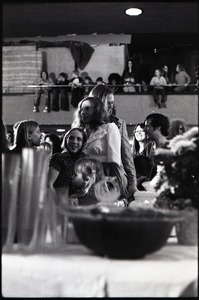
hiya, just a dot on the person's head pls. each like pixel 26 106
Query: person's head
pixel 114 78
pixel 45 146
pixel 165 69
pixel 27 134
pixel 10 137
pixel 54 141
pixel 87 171
pixel 157 72
pixel 88 80
pixel 99 80
pixel 180 68
pixel 140 132
pixel 74 140
pixel 129 63
pixel 105 94
pixel 177 127
pixel 44 75
pixel 62 76
pixel 140 136
pixel 75 73
pixel 156 125
pixel 90 112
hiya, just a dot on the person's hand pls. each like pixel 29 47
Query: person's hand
pixel 121 203
pixel 132 189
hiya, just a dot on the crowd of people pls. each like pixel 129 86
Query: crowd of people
pixel 160 85
pixel 97 133
pixel 97 148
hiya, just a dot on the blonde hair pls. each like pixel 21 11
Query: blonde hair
pixel 23 130
pixel 92 172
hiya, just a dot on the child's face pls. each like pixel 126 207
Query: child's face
pixel 87 81
pixel 43 75
pixel 61 78
pixel 77 181
pixel 74 141
pixel 35 136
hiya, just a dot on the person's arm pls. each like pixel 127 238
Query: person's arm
pixel 152 82
pixel 163 81
pixel 188 79
pixel 54 169
pixel 113 144
pixel 52 176
pixel 127 159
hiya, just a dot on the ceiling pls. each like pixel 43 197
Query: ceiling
pixel 31 19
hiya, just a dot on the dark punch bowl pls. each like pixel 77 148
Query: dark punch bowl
pixel 126 233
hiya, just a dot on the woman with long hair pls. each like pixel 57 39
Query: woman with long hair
pixel 142 149
pixel 106 95
pixel 103 138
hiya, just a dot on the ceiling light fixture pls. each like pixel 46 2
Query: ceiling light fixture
pixel 133 11
pixel 60 130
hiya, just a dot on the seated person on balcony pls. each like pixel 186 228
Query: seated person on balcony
pixel 99 80
pixel 158 82
pixel 115 82
pixel 182 79
pixel 44 82
pixel 88 84
pixel 62 91
pixel 77 88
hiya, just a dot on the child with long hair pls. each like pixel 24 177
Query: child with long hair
pixel 61 165
pixel 26 135
pixel 92 187
pixel 87 172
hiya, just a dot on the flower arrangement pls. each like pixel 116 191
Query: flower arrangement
pixel 177 184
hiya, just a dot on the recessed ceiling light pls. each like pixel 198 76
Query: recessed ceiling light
pixel 133 11
pixel 60 130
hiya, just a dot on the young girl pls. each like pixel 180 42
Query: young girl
pixel 62 164
pixel 26 135
pixel 87 172
pixel 91 186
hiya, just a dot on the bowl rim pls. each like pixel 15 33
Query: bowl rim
pixel 111 213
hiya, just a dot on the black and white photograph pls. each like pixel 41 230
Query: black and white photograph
pixel 99 149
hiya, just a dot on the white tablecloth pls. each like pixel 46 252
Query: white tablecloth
pixel 77 272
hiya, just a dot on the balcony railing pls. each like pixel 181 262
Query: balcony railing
pixel 119 88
